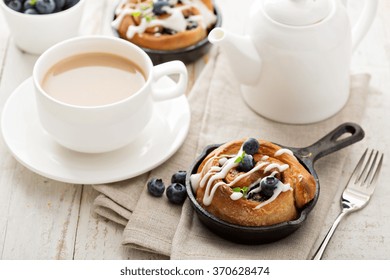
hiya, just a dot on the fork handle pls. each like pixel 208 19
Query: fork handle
pixel 324 243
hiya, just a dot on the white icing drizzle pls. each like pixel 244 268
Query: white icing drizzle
pixel 133 29
pixel 300 177
pixel 283 151
pixel 254 169
pixel 284 187
pixel 195 179
pixel 280 187
pixel 175 21
pixel 210 174
pixel 205 178
pixel 222 161
pixel 209 192
pixel 207 172
pixel 120 14
pixel 281 168
pixel 255 190
pixel 236 195
pixel 208 17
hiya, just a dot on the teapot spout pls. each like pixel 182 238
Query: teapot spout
pixel 241 52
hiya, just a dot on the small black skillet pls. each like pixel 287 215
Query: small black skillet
pixel 341 137
pixel 186 55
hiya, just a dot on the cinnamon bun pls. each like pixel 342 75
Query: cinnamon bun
pixel 164 24
pixel 252 182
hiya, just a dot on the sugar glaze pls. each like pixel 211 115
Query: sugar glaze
pixel 210 174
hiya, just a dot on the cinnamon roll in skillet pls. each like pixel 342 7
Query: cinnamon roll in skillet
pixel 164 24
pixel 253 182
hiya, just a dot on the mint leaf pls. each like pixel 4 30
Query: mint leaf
pixel 240 158
pixel 149 18
pixel 242 190
pixel 136 14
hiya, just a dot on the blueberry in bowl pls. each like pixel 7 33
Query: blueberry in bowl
pixel 167 29
pixel 268 201
pixel 36 25
pixel 42 7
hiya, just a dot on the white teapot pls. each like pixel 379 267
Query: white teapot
pixel 293 60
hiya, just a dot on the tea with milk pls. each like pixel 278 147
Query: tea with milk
pixel 93 79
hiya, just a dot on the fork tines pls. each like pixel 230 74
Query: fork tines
pixel 368 168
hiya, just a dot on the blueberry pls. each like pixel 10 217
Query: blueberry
pixel 268 185
pixel 191 25
pixel 179 177
pixel 158 7
pixel 251 146
pixel 45 6
pixel 70 3
pixel 156 187
pixel 27 5
pixel 15 5
pixel 246 164
pixel 59 5
pixel 253 190
pixel 30 11
pixel 176 193
pixel 168 31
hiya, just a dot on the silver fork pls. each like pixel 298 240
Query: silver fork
pixel 357 192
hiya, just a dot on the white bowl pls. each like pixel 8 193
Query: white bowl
pixel 36 33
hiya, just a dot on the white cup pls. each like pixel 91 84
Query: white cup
pixel 36 33
pixel 96 129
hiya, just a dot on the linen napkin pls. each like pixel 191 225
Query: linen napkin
pixel 219 114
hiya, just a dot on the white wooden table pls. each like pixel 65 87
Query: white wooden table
pixel 45 219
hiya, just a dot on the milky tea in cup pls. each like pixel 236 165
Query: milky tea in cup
pixel 93 79
pixel 96 94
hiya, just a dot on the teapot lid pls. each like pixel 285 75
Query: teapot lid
pixel 297 12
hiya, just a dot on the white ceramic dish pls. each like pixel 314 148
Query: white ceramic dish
pixel 36 150
pixel 36 33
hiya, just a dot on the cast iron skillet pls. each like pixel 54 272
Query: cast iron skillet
pixel 186 55
pixel 307 156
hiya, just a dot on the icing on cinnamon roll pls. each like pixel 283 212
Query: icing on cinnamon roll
pixel 250 187
pixel 164 24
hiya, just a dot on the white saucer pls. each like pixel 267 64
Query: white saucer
pixel 36 150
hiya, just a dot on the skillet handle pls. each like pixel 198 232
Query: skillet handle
pixel 333 142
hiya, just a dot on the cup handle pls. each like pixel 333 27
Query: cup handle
pixel 165 69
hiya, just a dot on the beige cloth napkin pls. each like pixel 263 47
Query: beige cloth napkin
pixel 218 115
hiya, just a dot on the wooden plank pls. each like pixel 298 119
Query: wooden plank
pixel 41 217
pixel 4 156
pixel 364 235
pixel 4 38
pixel 45 219
pixel 95 238
pixel 38 216
pixel 98 238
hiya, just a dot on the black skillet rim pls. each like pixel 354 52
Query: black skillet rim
pixel 303 213
pixel 186 55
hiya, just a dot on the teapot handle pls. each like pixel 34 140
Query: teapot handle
pixel 359 30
